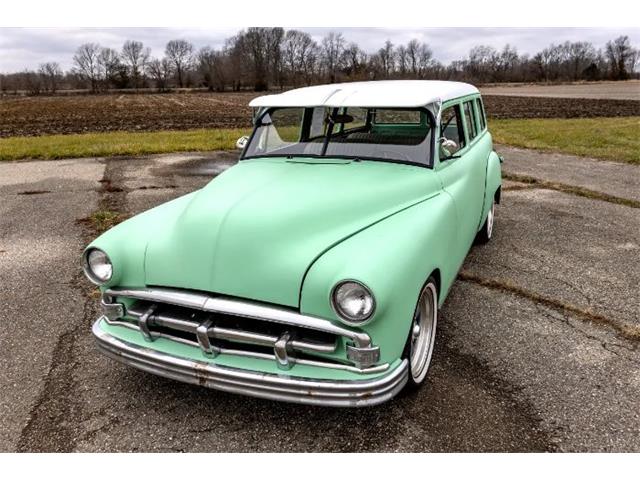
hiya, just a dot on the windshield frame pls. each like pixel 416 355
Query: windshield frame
pixel 430 151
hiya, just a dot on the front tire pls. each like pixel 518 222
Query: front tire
pixel 422 335
pixel 485 233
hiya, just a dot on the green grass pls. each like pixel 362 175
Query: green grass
pixel 50 147
pixel 616 139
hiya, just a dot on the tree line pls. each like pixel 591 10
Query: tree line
pixel 266 58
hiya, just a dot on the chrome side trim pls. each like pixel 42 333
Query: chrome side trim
pixel 265 356
pixel 241 308
pixel 263 385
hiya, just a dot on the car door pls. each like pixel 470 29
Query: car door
pixel 462 170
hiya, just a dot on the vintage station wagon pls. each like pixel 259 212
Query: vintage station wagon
pixel 313 270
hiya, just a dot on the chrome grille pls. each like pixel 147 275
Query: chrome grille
pixel 219 325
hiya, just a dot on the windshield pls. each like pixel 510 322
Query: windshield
pixel 401 135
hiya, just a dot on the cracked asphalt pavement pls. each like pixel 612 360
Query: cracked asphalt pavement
pixel 537 347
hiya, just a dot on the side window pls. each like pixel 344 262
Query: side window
pixel 481 115
pixel 285 123
pixel 451 132
pixel 470 120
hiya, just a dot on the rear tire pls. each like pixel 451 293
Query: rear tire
pixel 485 233
pixel 422 335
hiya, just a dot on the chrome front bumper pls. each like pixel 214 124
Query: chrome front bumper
pixel 337 393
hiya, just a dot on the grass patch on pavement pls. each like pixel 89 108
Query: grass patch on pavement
pixel 51 147
pixel 626 330
pixel 531 182
pixel 616 139
pixel 103 220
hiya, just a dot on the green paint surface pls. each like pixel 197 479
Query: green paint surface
pixel 285 231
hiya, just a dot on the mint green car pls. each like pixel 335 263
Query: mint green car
pixel 313 270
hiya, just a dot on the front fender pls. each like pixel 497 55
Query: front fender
pixel 394 258
pixel 126 243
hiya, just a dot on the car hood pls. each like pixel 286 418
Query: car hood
pixel 254 231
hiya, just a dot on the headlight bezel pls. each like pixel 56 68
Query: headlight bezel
pixel 345 318
pixel 89 273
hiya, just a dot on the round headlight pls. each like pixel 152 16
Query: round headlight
pixel 97 266
pixel 353 302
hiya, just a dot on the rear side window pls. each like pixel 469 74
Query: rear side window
pixel 451 129
pixel 470 120
pixel 388 116
pixel 481 116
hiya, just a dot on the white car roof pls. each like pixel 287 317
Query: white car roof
pixel 382 93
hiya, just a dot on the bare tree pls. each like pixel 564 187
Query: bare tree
pixel 180 54
pixel 135 56
pixel 87 64
pixel 274 55
pixel 254 45
pixel 634 60
pixel 263 57
pixel 620 54
pixel 543 61
pixel 50 73
pixel 386 59
pixel 293 48
pixel 403 60
pixel 332 48
pixel 425 59
pixel 300 56
pixel 504 63
pixel 31 82
pixel 260 49
pixel 161 72
pixel 354 61
pixel 236 65
pixel 109 62
pixel 413 56
pixel 581 55
pixel 482 62
pixel 211 65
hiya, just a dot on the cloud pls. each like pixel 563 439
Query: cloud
pixel 22 48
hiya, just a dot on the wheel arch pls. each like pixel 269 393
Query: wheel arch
pixel 493 185
pixel 438 279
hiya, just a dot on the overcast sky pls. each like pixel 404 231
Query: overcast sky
pixel 22 48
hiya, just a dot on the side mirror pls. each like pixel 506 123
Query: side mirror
pixel 448 148
pixel 448 144
pixel 242 142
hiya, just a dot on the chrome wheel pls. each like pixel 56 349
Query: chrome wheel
pixel 490 218
pixel 423 333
